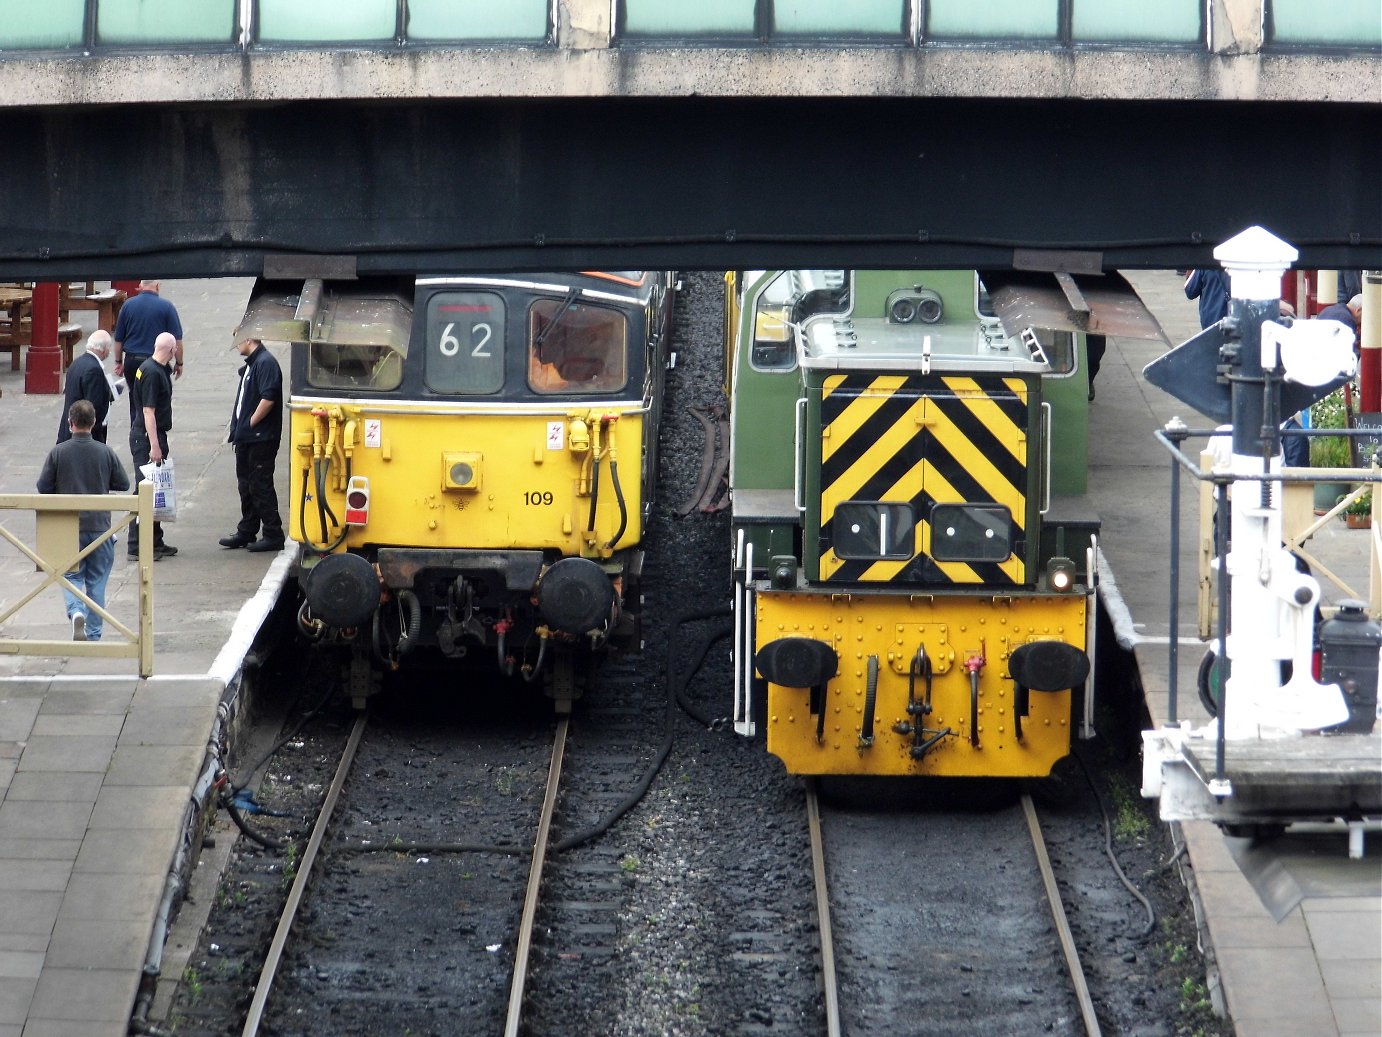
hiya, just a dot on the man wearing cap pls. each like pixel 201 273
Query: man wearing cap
pixel 86 380
pixel 142 319
pixel 256 426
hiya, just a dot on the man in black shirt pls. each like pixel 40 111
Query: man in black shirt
pixel 151 407
pixel 256 426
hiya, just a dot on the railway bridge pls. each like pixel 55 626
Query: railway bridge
pixel 180 138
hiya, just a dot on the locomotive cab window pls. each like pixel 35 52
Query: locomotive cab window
pixel 787 301
pixel 358 342
pixel 575 347
pixel 1058 347
pixel 874 529
pixel 331 365
pixel 971 533
pixel 465 343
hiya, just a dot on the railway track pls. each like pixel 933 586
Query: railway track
pixel 916 922
pixel 523 938
pixel 412 900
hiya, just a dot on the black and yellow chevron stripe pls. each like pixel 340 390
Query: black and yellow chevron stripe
pixel 923 440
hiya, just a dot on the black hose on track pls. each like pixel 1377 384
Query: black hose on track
pixel 676 685
pixel 1108 849
pixel 266 841
pixel 646 781
pixel 679 682
pixel 230 787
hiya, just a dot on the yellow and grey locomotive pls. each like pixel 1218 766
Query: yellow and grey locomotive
pixel 472 463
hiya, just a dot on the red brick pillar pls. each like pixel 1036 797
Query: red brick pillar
pixel 43 365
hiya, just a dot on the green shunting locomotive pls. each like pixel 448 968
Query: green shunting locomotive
pixel 914 560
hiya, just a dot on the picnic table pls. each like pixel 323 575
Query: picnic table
pixel 16 308
pixel 16 316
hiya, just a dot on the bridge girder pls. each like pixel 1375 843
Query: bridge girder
pixel 718 183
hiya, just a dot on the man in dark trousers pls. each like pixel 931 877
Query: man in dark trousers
pixel 151 400
pixel 83 465
pixel 86 380
pixel 142 319
pixel 256 426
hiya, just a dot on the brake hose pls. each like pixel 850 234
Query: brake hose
pixel 623 508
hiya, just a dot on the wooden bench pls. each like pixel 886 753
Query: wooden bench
pixel 68 337
pixel 14 336
pixel 15 339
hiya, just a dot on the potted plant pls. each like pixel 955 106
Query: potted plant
pixel 1329 451
pixel 1358 514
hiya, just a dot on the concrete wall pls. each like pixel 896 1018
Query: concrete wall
pixel 586 62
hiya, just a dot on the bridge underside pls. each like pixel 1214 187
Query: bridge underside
pixel 717 183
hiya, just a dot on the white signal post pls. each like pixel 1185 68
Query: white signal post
pixel 1272 605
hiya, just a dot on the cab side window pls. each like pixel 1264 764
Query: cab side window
pixel 575 347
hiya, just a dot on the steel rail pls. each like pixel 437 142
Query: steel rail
pixel 309 856
pixel 525 927
pixel 1067 940
pixel 828 977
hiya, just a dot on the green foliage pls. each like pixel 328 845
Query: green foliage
pixel 1362 505
pixel 1328 451
pixel 290 866
pixel 1194 997
pixel 1129 821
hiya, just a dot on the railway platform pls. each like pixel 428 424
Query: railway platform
pixel 98 767
pixel 1293 926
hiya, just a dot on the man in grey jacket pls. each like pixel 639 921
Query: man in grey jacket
pixel 83 465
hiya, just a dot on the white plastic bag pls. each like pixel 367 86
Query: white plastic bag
pixel 165 490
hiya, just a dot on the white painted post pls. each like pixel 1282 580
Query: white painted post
pixel 1271 607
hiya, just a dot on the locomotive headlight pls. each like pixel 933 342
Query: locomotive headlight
pixel 1060 575
pixel 460 471
pixel 916 304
